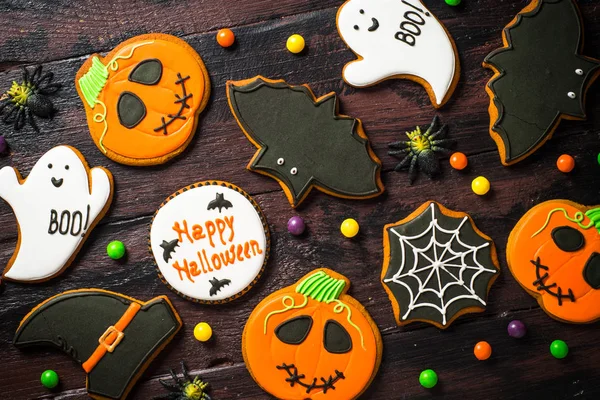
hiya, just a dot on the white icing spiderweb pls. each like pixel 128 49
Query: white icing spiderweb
pixel 438 267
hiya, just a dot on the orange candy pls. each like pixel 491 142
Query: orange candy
pixel 565 163
pixel 482 351
pixel 459 161
pixel 225 37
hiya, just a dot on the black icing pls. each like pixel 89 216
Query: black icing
pixel 219 202
pixel 131 109
pixel 169 248
pixel 537 73
pixel 147 72
pixel 591 271
pixel 73 322
pixel 416 227
pixel 567 238
pixel 336 338
pixel 323 148
pixel 217 285
pixel 542 275
pixel 295 330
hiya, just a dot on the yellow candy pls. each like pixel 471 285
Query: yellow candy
pixel 349 228
pixel 202 332
pixel 295 44
pixel 480 185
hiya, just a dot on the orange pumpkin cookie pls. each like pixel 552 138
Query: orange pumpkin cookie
pixel 554 253
pixel 143 99
pixel 312 341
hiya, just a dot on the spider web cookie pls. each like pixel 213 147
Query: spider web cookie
pixel 437 266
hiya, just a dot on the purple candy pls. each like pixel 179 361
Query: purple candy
pixel 516 329
pixel 296 226
pixel 2 144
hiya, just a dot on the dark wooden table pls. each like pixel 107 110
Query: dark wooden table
pixel 62 34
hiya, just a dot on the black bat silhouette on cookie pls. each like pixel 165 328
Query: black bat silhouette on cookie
pixel 219 202
pixel 169 248
pixel 217 285
pixel 540 77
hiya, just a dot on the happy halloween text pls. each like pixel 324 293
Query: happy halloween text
pixel 216 233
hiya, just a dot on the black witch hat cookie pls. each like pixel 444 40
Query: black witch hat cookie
pixel 540 77
pixel 303 142
pixel 112 336
pixel 437 266
pixel 210 242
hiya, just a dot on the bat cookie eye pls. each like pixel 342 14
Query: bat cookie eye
pixel 294 171
pixel 571 95
pixel 280 161
pixel 579 71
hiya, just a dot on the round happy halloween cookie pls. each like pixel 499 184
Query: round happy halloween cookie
pixel 56 207
pixel 143 99
pixel 312 341
pixel 210 241
pixel 437 266
pixel 398 39
pixel 554 254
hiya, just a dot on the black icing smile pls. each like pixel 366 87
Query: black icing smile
pixel 181 100
pixel 541 282
pixel 375 25
pixel 57 182
pixel 295 378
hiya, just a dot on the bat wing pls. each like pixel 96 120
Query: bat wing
pixel 226 204
pixel 303 142
pixel 213 204
pixel 169 248
pixel 535 82
pixel 217 285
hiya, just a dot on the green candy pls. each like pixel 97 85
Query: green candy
pixel 49 379
pixel 559 349
pixel 115 250
pixel 428 378
pixel 453 2
pixel 598 158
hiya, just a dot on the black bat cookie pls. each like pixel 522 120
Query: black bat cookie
pixel 169 248
pixel 303 141
pixel 219 202
pixel 540 77
pixel 217 285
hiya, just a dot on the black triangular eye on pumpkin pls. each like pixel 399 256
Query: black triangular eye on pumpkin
pixel 131 110
pixel 147 72
pixel 567 238
pixel 336 338
pixel 591 271
pixel 295 330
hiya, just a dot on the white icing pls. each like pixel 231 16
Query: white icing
pixel 454 266
pixel 579 71
pixel 44 250
pixel 572 95
pixel 383 56
pixel 191 206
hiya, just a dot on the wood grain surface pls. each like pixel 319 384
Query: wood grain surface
pixel 61 34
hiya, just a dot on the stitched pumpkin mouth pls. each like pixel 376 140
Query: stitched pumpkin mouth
pixel 294 378
pixel 541 284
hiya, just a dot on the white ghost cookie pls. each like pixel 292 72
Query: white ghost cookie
pixel 56 208
pixel 398 39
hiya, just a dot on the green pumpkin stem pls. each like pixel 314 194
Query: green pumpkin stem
pixel 322 287
pixel 594 216
pixel 93 81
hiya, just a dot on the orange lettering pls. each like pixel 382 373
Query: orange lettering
pixel 227 259
pixel 221 228
pixel 246 250
pixel 239 252
pixel 180 232
pixel 229 222
pixel 211 229
pixel 197 232
pixel 216 260
pixel 255 247
pixel 184 269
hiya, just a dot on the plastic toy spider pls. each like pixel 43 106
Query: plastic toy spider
pixel 420 150
pixel 29 98
pixel 185 388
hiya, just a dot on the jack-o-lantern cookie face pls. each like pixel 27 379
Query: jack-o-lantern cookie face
pixel 312 341
pixel 143 99
pixel 554 253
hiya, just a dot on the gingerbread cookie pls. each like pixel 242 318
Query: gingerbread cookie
pixel 540 77
pixel 303 142
pixel 312 341
pixel 437 266
pixel 57 207
pixel 143 99
pixel 112 336
pixel 398 39
pixel 210 241
pixel 554 254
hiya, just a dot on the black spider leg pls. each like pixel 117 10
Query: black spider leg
pixel 184 370
pixel 205 396
pixel 31 120
pixel 5 102
pixel 11 116
pixel 20 118
pixel 170 386
pixel 45 86
pixel 541 282
pixel 434 123
pixel 181 100
pixel 35 77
